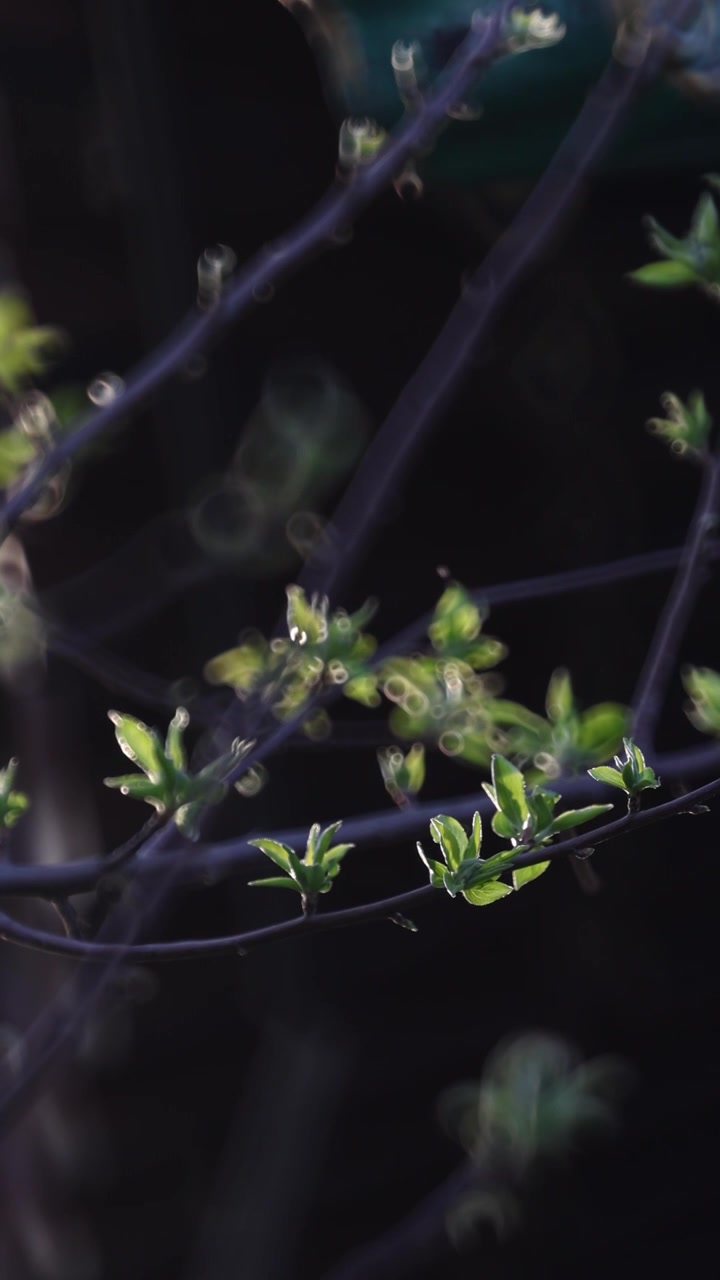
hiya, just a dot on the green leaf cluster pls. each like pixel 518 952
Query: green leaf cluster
pixel 569 740
pixel 167 785
pixel 692 260
pixel 527 818
pixel 320 650
pixel 703 688
pixel 535 1098
pixel 310 875
pixel 439 695
pixel 464 871
pixel 632 775
pixel 13 804
pixel 26 349
pixel 687 426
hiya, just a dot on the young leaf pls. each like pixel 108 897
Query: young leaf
pixel 326 839
pixel 276 882
pixel 559 701
pixel 297 868
pixel 174 749
pixel 509 786
pixel 705 219
pixel 311 847
pixel 502 826
pixel 576 817
pixel 336 855
pixel 611 777
pixel 436 869
pixel 483 894
pixel 669 274
pixel 476 836
pixel 140 788
pixel 450 835
pixel 138 743
pixel 278 852
pixel 523 875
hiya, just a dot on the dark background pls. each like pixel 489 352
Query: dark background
pixel 261 1116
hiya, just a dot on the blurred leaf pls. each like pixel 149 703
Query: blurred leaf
pixel 560 704
pixel 665 275
pixel 702 684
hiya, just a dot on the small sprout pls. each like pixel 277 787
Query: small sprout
pixel 632 775
pixel 694 260
pixel 320 648
pixel 167 786
pixel 533 29
pixel 215 266
pixel 686 427
pixel 406 62
pixel 403 775
pixel 307 620
pixel 455 631
pixel 527 818
pixel 311 875
pixel 13 804
pixel 359 143
pixel 465 872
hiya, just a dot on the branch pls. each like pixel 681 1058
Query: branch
pixel 661 658
pixel 278 260
pixel 194 948
pixel 214 862
pixel 545 586
pixel 436 378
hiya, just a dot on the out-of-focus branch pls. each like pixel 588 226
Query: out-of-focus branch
pixel 662 655
pixel 278 260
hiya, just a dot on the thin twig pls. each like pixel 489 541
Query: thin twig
pixel 193 948
pixel 214 862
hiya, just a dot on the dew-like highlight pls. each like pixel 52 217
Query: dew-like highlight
pixel 105 388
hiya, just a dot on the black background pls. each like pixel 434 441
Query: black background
pixel 261 1116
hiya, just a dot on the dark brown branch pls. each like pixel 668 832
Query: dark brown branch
pixel 194 948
